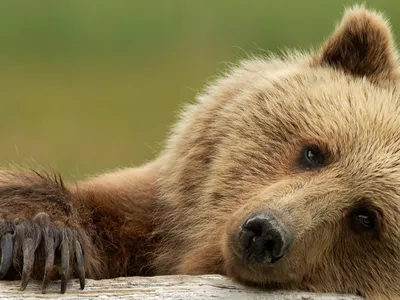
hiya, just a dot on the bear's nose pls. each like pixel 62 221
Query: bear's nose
pixel 264 239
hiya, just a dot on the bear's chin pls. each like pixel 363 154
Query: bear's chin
pixel 262 280
pixel 269 276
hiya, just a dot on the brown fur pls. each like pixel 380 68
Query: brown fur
pixel 236 151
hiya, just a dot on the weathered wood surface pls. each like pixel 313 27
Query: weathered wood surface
pixel 161 287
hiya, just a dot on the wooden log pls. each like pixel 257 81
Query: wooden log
pixel 160 287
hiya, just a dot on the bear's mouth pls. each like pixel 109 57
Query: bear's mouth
pixel 244 259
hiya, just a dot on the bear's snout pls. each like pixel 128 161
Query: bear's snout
pixel 264 239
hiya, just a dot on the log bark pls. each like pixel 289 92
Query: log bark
pixel 160 287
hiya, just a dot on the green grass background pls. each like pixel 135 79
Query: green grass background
pixel 88 86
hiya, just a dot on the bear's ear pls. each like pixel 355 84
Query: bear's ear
pixel 361 45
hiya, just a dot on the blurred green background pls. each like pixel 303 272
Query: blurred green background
pixel 89 86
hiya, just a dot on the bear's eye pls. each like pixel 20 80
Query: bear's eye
pixel 312 157
pixel 363 220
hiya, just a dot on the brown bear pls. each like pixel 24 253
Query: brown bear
pixel 285 173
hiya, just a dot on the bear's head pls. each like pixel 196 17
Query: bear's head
pixel 291 167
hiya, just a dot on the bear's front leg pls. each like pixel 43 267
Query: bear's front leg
pixel 97 228
pixel 45 231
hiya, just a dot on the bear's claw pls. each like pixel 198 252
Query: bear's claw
pixel 6 254
pixel 36 238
